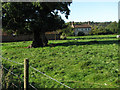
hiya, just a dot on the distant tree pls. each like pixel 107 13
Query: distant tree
pixel 68 30
pixel 101 30
pixel 36 17
pixel 94 29
pixel 104 28
pixel 113 27
pixel 118 27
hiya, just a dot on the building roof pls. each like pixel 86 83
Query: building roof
pixel 82 26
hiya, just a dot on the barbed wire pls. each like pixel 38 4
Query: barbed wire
pixel 51 78
pixel 19 77
pixel 12 61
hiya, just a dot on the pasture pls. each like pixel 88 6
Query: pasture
pixel 79 62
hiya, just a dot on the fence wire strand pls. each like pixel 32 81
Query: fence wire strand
pixel 33 86
pixel 11 72
pixel 36 70
pixel 12 61
pixel 19 77
pixel 14 85
pixel 51 78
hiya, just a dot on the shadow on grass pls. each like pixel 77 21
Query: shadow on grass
pixel 87 43
pixel 91 38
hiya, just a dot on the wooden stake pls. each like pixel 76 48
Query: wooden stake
pixel 26 74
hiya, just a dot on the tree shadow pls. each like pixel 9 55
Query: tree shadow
pixel 87 42
pixel 92 38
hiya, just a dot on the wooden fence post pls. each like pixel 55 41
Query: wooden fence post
pixel 26 74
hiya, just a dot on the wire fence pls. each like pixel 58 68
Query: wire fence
pixel 49 76
pixel 18 77
pixel 37 71
pixel 11 60
pixel 14 73
pixel 11 73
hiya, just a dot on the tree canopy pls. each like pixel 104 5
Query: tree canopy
pixel 35 17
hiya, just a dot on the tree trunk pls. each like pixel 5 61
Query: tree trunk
pixel 39 39
pixel 44 39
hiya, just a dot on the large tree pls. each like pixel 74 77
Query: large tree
pixel 38 17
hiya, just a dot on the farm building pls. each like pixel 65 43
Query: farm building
pixel 85 28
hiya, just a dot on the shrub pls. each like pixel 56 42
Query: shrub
pixel 81 33
pixel 63 36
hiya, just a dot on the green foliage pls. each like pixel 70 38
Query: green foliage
pixel 102 29
pixel 88 62
pixel 68 30
pixel 6 80
pixel 118 27
pixel 112 27
pixel 77 23
pixel 81 33
pixel 9 80
pixel 44 16
pixel 93 30
pixel 34 17
pixel 63 36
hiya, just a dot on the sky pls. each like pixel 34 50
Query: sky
pixel 93 10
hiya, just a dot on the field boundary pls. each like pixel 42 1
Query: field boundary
pixel 17 76
pixel 14 38
pixel 35 70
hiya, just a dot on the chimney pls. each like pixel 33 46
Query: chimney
pixel 88 22
pixel 72 24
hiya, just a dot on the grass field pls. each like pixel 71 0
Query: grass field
pixel 79 62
